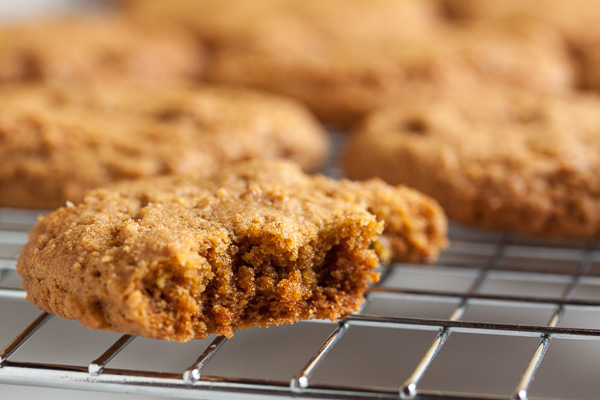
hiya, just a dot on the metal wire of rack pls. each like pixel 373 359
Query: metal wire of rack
pixel 479 270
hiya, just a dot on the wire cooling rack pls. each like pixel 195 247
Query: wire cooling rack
pixel 497 317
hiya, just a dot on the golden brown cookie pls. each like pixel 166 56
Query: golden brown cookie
pixel 503 160
pixel 256 244
pixel 98 48
pixel 576 21
pixel 58 141
pixel 227 21
pixel 347 79
pixel 344 58
pixel 589 61
pixel 342 79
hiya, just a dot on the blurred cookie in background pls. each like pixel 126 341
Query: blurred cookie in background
pixel 57 141
pixel 505 160
pixel 104 47
pixel 346 58
pixel 222 22
pixel 577 21
pixel 341 81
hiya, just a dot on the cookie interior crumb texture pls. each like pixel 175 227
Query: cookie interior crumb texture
pixel 501 159
pixel 257 244
pixel 58 140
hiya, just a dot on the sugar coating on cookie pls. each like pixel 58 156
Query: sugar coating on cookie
pixel 98 48
pixel 503 160
pixel 255 245
pixel 57 141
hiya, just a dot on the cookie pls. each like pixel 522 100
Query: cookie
pixel 98 48
pixel 503 160
pixel 221 22
pixel 57 141
pixel 589 61
pixel 576 21
pixel 257 244
pixel 341 80
pixel 345 58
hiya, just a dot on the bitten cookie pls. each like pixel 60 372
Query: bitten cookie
pixel 344 58
pixel 56 142
pixel 257 244
pixel 503 160
pixel 96 48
